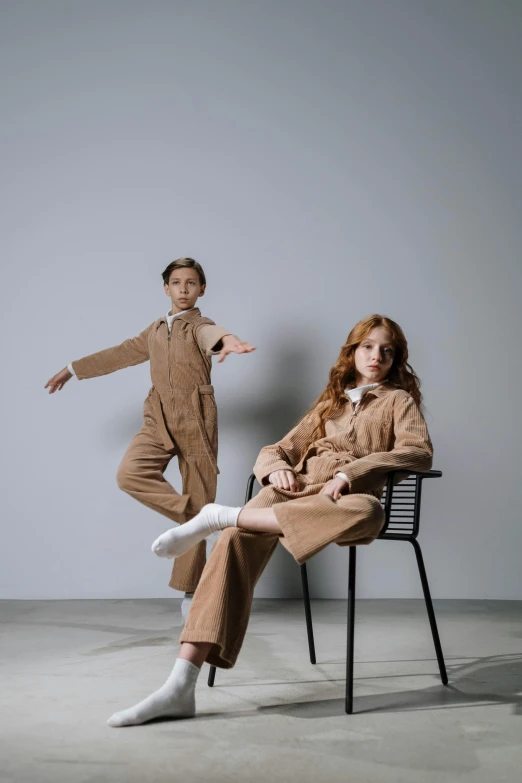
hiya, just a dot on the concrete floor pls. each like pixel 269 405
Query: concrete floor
pixel 67 665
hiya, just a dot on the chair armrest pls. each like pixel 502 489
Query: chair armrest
pixel 425 474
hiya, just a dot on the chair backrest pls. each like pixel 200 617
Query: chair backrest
pixel 402 502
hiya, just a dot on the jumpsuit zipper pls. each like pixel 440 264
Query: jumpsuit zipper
pixel 356 411
pixel 168 355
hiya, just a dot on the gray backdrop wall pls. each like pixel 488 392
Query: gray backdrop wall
pixel 323 160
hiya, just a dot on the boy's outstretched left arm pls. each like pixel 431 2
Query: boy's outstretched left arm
pixel 216 340
pixel 232 344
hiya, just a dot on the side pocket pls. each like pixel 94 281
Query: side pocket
pixel 148 412
pixel 196 442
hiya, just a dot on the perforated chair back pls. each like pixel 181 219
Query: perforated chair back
pixel 402 502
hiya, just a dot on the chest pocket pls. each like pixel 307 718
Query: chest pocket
pixel 182 330
pixel 373 433
pixel 186 350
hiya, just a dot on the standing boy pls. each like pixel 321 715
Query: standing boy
pixel 180 416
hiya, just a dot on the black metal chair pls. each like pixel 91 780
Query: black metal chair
pixel 402 502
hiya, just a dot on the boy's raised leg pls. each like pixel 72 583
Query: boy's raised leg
pixel 141 475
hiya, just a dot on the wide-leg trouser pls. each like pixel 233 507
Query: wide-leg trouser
pixel 221 605
pixel 141 475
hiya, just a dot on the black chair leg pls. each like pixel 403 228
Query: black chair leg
pixel 211 676
pixel 350 632
pixel 431 613
pixel 308 613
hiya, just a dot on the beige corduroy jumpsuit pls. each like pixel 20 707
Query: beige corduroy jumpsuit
pixel 180 419
pixel 385 432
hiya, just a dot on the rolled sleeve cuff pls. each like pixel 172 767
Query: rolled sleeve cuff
pixel 356 479
pixel 211 337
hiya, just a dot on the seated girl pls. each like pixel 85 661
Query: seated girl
pixel 321 484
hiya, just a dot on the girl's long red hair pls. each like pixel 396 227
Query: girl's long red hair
pixel 342 374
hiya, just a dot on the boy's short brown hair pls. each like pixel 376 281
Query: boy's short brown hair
pixel 181 263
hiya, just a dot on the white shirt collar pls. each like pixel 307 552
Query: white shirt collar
pixel 356 395
pixel 170 317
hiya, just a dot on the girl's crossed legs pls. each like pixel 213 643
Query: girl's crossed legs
pixel 218 618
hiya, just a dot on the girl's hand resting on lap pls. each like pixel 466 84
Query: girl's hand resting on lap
pixel 335 488
pixel 283 479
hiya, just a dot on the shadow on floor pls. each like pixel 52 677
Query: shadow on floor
pixel 489 680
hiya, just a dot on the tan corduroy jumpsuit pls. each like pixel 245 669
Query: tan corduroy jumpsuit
pixel 180 419
pixel 385 432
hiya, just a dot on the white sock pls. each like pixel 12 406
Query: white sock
pixel 175 699
pixel 181 539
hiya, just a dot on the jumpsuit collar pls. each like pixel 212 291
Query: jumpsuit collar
pixel 356 395
pixel 185 315
pixel 172 317
pixel 373 389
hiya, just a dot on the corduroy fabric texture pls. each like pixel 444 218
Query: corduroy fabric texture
pixel 180 419
pixel 387 432
pixel 221 605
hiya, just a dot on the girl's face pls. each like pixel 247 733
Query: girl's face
pixel 374 357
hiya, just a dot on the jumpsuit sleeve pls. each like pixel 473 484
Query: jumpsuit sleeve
pixel 285 454
pixel 209 336
pixel 127 354
pixel 412 448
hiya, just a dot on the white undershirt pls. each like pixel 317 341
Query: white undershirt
pixel 169 317
pixel 356 395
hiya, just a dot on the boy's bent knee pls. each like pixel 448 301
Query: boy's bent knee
pixel 125 478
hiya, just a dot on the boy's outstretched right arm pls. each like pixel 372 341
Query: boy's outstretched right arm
pixel 128 353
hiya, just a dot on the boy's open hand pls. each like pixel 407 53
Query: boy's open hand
pixel 232 344
pixel 58 381
pixel 284 479
pixel 335 488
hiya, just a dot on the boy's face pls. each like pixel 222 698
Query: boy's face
pixel 184 289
